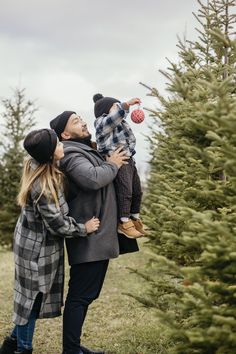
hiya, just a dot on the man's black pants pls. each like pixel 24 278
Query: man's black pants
pixel 85 284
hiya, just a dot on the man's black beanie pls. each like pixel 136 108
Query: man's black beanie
pixel 103 104
pixel 41 145
pixel 58 124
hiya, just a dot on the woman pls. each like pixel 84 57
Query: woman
pixel 38 240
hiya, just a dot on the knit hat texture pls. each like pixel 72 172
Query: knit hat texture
pixel 102 104
pixel 41 144
pixel 59 123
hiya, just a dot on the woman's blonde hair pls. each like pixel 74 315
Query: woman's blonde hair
pixel 50 178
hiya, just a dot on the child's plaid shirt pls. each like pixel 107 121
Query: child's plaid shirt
pixel 112 131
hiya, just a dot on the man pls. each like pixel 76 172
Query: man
pixel 90 193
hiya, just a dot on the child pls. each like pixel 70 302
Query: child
pixel 38 240
pixel 113 131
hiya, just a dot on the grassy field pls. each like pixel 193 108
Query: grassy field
pixel 115 321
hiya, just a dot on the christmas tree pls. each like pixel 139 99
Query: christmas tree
pixel 17 120
pixel 191 196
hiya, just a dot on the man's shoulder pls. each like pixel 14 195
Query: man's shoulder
pixel 75 149
pixel 74 144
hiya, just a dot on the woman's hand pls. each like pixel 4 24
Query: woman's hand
pixel 92 225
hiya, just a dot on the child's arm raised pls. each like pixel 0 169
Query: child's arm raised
pixel 106 124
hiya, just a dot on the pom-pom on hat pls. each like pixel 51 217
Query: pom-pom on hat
pixel 41 144
pixel 59 123
pixel 103 104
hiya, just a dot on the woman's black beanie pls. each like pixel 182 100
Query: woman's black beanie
pixel 41 144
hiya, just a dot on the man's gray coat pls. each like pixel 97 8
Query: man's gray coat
pixel 90 193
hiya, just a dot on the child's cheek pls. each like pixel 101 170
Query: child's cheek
pixel 113 109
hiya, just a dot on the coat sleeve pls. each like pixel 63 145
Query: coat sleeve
pixel 55 221
pixel 87 176
pixel 104 125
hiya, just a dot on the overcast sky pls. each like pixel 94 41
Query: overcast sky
pixel 65 51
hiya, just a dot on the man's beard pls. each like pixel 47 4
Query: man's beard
pixel 83 140
pixel 77 136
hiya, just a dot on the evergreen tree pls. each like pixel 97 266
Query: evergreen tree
pixel 17 120
pixel 191 198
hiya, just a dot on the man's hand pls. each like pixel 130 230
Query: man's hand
pixel 133 101
pixel 118 157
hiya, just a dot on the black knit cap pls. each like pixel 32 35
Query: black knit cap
pixel 103 104
pixel 59 123
pixel 41 144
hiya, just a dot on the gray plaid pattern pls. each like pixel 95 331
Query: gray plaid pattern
pixel 112 131
pixel 39 255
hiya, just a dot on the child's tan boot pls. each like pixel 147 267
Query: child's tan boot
pixel 139 226
pixel 127 228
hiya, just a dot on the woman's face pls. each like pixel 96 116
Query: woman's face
pixel 59 151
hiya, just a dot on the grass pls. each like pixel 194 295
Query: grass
pixel 115 321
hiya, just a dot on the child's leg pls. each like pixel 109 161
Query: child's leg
pixel 25 332
pixel 123 185
pixel 136 202
pixel 136 193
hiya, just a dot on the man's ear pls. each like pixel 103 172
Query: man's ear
pixel 65 136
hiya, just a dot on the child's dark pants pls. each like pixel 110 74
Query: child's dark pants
pixel 128 190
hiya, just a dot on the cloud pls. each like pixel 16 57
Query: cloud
pixel 64 51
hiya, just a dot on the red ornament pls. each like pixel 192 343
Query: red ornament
pixel 137 115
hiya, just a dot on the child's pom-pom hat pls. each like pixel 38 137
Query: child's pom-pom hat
pixel 102 104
